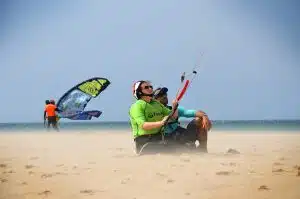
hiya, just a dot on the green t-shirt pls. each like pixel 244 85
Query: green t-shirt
pixel 142 111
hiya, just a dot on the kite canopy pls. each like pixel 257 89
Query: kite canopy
pixel 85 115
pixel 74 101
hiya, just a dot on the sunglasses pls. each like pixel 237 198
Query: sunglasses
pixel 148 87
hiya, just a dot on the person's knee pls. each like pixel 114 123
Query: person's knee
pixel 197 127
pixel 199 121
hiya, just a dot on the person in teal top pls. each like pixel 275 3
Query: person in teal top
pixel 201 124
pixel 147 115
pixel 172 126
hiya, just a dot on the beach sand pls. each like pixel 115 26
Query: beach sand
pixel 103 165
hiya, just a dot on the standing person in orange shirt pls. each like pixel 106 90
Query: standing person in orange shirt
pixel 50 111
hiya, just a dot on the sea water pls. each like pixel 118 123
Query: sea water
pixel 218 125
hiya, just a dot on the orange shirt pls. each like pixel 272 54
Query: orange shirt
pixel 50 110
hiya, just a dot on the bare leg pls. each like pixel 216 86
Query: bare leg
pixel 54 124
pixel 55 127
pixel 48 124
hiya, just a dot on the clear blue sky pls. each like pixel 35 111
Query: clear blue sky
pixel 250 68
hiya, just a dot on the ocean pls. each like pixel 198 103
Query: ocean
pixel 218 125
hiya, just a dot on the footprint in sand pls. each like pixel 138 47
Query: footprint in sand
pixel 125 180
pixel 278 170
pixel 46 192
pixel 3 165
pixel 119 156
pixel 3 180
pixel 49 175
pixel 282 158
pixel 119 149
pixel 23 183
pixel 296 167
pixel 89 191
pixel 185 160
pixel 263 187
pixel 29 166
pixel 225 173
pixel 161 174
pixel 232 164
pixel 170 181
pixel 278 164
pixel 232 151
pixel 251 171
pixel 30 172
pixel 10 171
pixel 34 158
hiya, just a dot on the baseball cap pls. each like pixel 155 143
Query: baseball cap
pixel 160 91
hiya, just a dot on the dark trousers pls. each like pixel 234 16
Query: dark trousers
pixel 180 135
pixel 52 121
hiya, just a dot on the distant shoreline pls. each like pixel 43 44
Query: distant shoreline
pixel 269 121
pixel 218 125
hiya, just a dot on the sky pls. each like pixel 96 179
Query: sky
pixel 247 53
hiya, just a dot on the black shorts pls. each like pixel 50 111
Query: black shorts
pixel 183 135
pixel 52 120
pixel 143 139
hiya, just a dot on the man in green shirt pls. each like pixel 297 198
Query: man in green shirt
pixel 147 116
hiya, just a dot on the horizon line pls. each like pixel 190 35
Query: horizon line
pixel 127 121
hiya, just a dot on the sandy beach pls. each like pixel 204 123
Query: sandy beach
pixel 103 165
